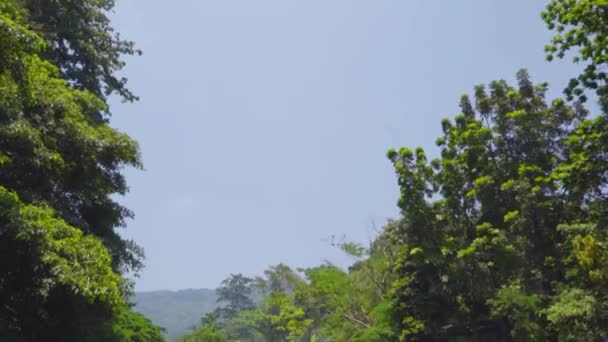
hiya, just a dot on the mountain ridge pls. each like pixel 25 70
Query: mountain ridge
pixel 176 311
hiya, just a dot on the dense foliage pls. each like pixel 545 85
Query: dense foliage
pixel 60 274
pixel 324 303
pixel 82 43
pixel 501 224
pixel 581 24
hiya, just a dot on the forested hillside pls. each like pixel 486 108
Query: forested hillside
pixel 176 311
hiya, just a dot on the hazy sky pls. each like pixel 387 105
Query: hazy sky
pixel 264 124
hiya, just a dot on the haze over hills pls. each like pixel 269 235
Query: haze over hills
pixel 176 311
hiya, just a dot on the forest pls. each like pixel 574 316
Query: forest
pixel 502 237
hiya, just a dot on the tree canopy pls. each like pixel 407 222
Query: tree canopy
pixel 494 227
pixel 581 25
pixel 62 259
pixel 83 44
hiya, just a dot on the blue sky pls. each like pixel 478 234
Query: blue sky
pixel 264 123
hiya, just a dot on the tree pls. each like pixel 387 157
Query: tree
pixel 277 320
pixel 55 280
pixel 581 24
pixel 77 38
pixel 53 150
pixel 235 292
pixel 279 278
pixel 502 223
pixel 129 326
pixel 59 167
pixel 83 44
pixel 209 331
pixel 235 295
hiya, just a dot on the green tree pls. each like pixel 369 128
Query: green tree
pixel 211 330
pixel 491 229
pixel 83 44
pixel 59 167
pixel 581 25
pixel 279 278
pixel 57 284
pixel 129 326
pixel 53 149
pixel 353 305
pixel 79 40
pixel 278 319
pixel 235 294
pixel 372 276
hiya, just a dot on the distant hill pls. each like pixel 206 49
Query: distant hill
pixel 176 311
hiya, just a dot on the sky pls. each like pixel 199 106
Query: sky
pixel 264 124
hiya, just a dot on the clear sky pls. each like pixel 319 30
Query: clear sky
pixel 264 123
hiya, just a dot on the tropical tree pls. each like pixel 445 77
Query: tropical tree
pixel 494 228
pixel 130 326
pixel 581 25
pixel 83 44
pixel 211 330
pixel 277 319
pixel 235 294
pixel 59 166
pixel 76 36
pixel 278 278
pixel 350 305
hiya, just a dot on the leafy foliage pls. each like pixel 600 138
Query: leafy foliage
pixel 235 293
pixel 484 230
pixel 131 326
pixel 278 319
pixel 316 304
pixel 581 24
pixel 53 151
pixel 59 166
pixel 45 260
pixel 210 331
pixel 83 44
